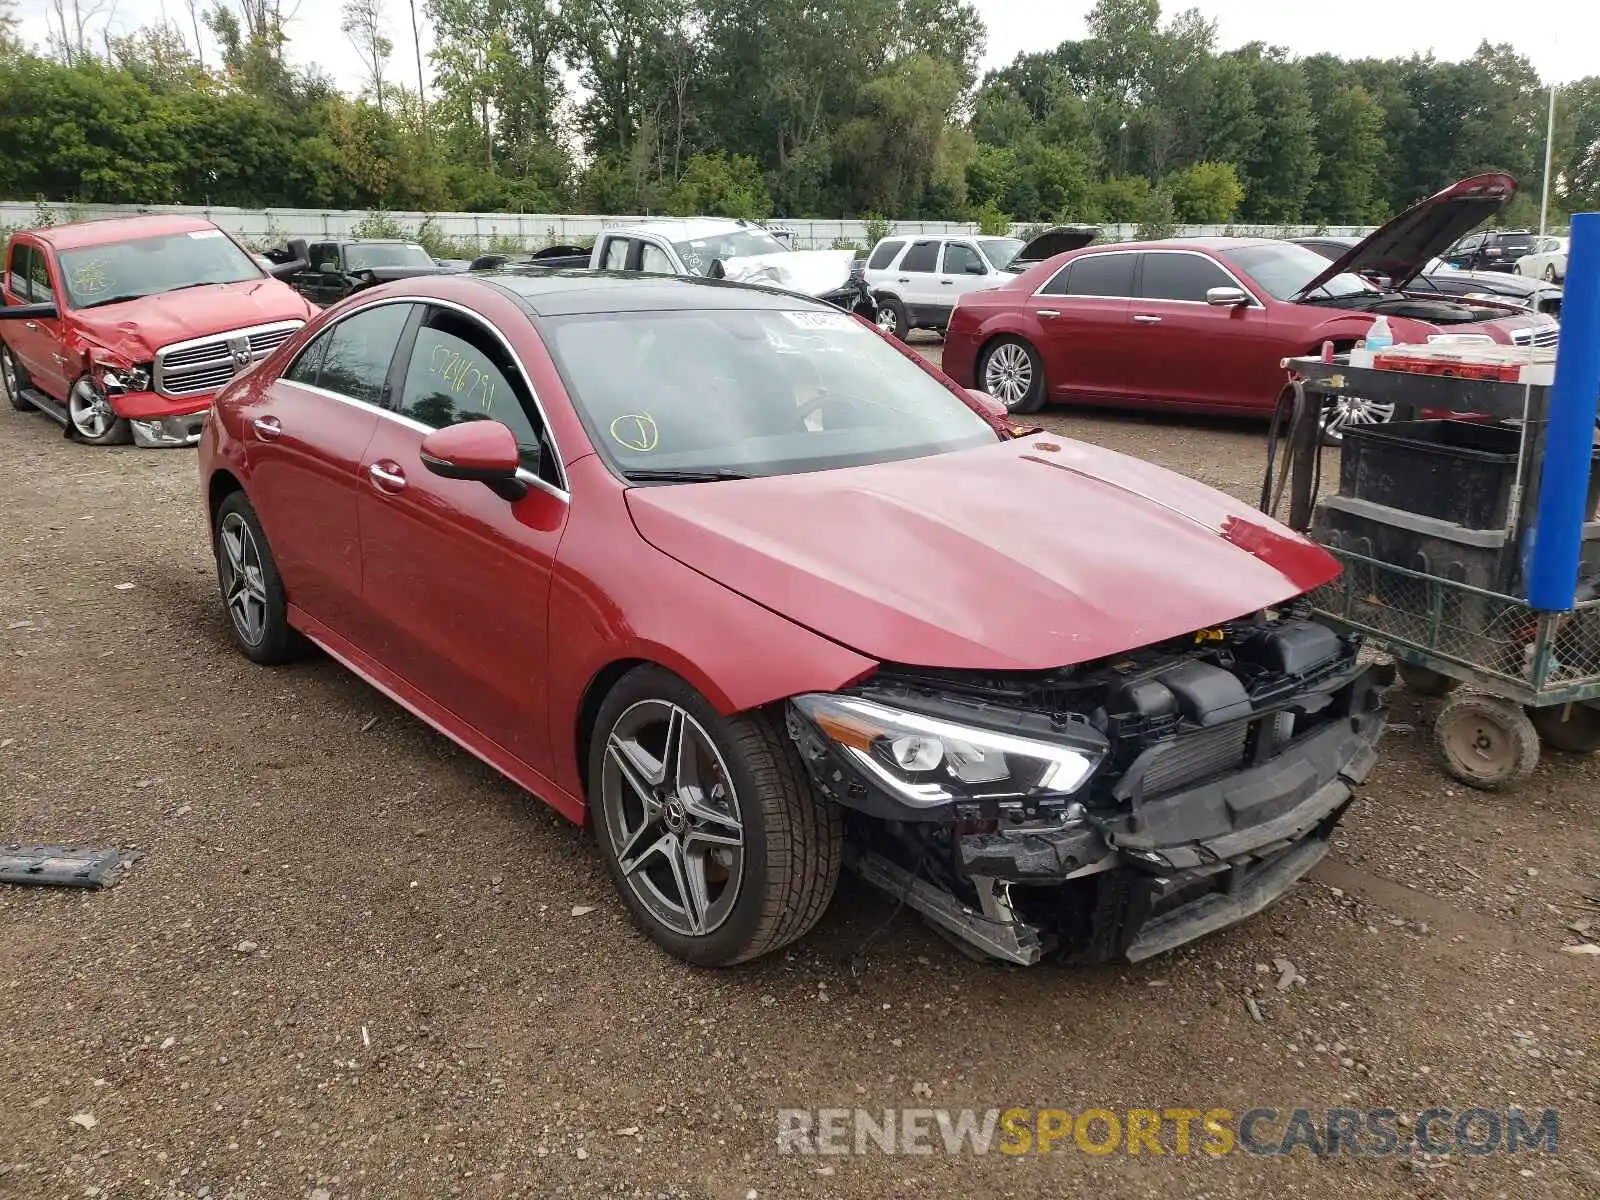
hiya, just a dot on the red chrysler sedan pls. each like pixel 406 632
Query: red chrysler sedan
pixel 1203 324
pixel 728 573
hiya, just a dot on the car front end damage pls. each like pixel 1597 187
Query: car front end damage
pixel 157 422
pixel 1108 811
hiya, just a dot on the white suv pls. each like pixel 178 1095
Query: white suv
pixel 916 280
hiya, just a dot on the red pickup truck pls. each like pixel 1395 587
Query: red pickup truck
pixel 125 328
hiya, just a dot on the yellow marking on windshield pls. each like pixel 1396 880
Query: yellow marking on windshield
pixel 636 431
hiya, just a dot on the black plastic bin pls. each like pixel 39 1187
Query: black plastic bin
pixel 1458 471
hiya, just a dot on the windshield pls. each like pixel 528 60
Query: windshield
pixel 1284 269
pixel 147 266
pixel 752 392
pixel 385 254
pixel 699 253
pixel 1000 251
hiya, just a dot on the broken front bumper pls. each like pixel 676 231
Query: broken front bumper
pixel 1097 889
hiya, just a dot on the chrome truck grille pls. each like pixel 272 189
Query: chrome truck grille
pixel 200 366
pixel 1536 335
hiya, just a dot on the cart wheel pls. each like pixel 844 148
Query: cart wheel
pixel 1487 742
pixel 1424 682
pixel 1574 728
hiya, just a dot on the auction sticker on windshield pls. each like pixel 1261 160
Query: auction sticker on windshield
pixel 820 320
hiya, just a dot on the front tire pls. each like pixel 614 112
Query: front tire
pixel 13 379
pixel 252 592
pixel 892 318
pixel 1487 742
pixel 1013 373
pixel 708 824
pixel 93 421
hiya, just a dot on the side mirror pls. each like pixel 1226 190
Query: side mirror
pixel 977 269
pixel 484 451
pixel 1227 297
pixel 29 312
pixel 299 259
pixel 989 404
pixel 717 271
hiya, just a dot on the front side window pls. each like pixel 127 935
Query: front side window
pixel 17 280
pixel 653 260
pixel 752 392
pixel 1180 277
pixel 355 360
pixel 962 259
pixel 39 277
pixel 149 266
pixel 460 372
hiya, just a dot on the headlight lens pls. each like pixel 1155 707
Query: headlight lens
pixel 1460 339
pixel 928 761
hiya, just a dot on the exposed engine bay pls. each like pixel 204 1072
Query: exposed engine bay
pixel 1419 307
pixel 1109 810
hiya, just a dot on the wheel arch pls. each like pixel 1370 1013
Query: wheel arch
pixel 222 484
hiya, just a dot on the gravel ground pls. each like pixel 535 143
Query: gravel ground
pixel 354 962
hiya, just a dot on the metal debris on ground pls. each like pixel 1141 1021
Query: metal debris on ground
pixel 64 866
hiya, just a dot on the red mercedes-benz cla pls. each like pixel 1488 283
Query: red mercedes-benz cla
pixel 728 573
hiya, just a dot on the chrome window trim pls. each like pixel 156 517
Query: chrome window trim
pixel 1255 300
pixel 562 491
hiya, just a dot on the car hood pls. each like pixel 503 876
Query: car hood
pixel 1030 554
pixel 814 272
pixel 1400 249
pixel 1052 242
pixel 136 329
pixel 1502 283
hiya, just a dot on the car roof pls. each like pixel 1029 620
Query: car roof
pixel 684 228
pixel 546 293
pixel 104 231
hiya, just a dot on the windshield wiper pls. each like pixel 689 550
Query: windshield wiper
pixel 668 475
pixel 120 299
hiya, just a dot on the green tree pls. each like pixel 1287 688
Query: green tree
pixel 1282 166
pixel 722 186
pixel 1207 193
pixel 1350 152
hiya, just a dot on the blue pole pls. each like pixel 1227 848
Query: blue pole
pixel 1557 536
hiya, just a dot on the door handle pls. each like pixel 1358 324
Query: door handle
pixel 905 279
pixel 1146 319
pixel 1047 312
pixel 267 428
pixel 30 324
pixel 947 283
pixel 387 476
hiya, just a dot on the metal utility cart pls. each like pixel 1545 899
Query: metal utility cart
pixel 1471 549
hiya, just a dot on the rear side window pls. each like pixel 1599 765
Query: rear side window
pixel 1180 277
pixel 1105 276
pixel 17 273
pixel 459 372
pixel 884 255
pixel 922 257
pixel 353 357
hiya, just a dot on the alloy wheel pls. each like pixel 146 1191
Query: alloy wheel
pixel 1349 411
pixel 90 411
pixel 887 320
pixel 244 585
pixel 672 815
pixel 1008 375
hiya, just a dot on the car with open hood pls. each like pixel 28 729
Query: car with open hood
pixel 125 328
pixel 1203 324
pixel 742 582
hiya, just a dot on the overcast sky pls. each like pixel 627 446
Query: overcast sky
pixel 1555 35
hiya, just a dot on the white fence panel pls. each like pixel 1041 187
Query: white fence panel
pixel 263 225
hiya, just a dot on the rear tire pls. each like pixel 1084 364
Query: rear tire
pixel 708 825
pixel 1571 728
pixel 1013 373
pixel 13 379
pixel 253 598
pixel 1425 682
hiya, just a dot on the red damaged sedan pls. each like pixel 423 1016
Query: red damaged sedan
pixel 727 573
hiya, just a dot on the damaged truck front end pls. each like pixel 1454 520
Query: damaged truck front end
pixel 1107 811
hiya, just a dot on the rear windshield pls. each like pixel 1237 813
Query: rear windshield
pixel 385 254
pixel 752 392
pixel 96 275
pixel 1519 242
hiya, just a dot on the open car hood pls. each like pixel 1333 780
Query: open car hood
pixel 814 272
pixel 924 562
pixel 1051 242
pixel 1401 249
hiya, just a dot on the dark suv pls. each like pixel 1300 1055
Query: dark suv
pixel 1490 250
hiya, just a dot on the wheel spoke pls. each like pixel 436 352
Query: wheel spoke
pixel 232 550
pixel 639 772
pixel 711 826
pixel 646 842
pixel 689 876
